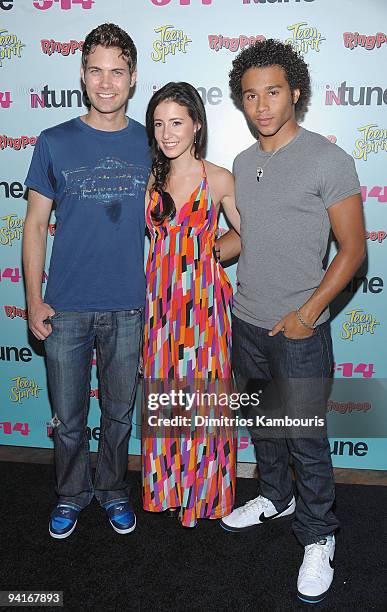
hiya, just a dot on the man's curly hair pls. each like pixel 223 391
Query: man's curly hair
pixel 272 52
pixel 110 35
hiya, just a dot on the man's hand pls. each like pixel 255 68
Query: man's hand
pixel 291 327
pixel 37 313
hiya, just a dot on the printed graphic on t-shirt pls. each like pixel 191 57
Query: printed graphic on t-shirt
pixel 111 179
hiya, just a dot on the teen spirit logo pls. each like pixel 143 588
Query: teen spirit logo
pixel 63 48
pixel 10 46
pixel 64 5
pixel 217 42
pixel 359 323
pixel 304 37
pixel 369 42
pixel 355 96
pixel 23 389
pixel 169 42
pixel 11 230
pixel 372 140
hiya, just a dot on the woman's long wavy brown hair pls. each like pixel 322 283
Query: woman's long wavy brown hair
pixel 185 95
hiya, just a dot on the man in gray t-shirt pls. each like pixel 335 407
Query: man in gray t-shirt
pixel 285 223
pixel 292 187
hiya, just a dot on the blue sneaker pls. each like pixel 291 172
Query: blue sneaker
pixel 63 521
pixel 121 516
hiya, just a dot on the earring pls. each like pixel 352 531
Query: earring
pixel 195 137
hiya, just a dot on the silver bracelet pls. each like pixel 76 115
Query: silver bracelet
pixel 304 323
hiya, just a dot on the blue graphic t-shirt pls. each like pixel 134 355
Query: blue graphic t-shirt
pixel 98 181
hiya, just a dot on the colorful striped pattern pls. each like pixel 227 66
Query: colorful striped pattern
pixel 188 336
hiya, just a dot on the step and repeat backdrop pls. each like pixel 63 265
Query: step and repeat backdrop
pixel 196 41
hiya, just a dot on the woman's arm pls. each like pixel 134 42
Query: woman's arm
pixel 228 201
pixel 228 246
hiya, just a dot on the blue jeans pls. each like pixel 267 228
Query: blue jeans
pixel 258 356
pixel 69 351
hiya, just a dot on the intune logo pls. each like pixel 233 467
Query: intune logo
pixel 49 98
pixel 368 285
pixel 12 190
pixel 347 447
pixel 210 95
pixel 13 353
pixel 5 99
pixel 346 96
pixel 354 39
pixel 64 5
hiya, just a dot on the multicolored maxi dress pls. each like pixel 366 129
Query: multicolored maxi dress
pixel 188 337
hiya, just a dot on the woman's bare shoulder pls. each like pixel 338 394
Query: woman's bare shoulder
pixel 218 173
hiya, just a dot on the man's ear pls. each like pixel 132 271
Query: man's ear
pixel 295 95
pixel 83 74
pixel 133 78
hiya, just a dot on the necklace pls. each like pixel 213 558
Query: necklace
pixel 260 168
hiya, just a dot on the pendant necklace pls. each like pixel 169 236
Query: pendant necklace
pixel 260 168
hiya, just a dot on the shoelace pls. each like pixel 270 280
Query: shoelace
pixel 314 555
pixel 260 502
pixel 64 509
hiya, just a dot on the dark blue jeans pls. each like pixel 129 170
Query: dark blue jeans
pixel 258 356
pixel 69 351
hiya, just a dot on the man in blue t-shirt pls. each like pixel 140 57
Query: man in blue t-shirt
pixel 95 169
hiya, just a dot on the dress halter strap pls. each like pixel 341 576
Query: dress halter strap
pixel 204 173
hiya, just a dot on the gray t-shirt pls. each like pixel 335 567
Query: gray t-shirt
pixel 284 223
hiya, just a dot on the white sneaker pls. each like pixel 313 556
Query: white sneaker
pixel 254 513
pixel 316 572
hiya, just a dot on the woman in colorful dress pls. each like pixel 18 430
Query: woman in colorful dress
pixel 187 318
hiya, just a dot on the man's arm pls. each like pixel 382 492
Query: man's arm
pixel 347 223
pixel 34 253
pixel 228 246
